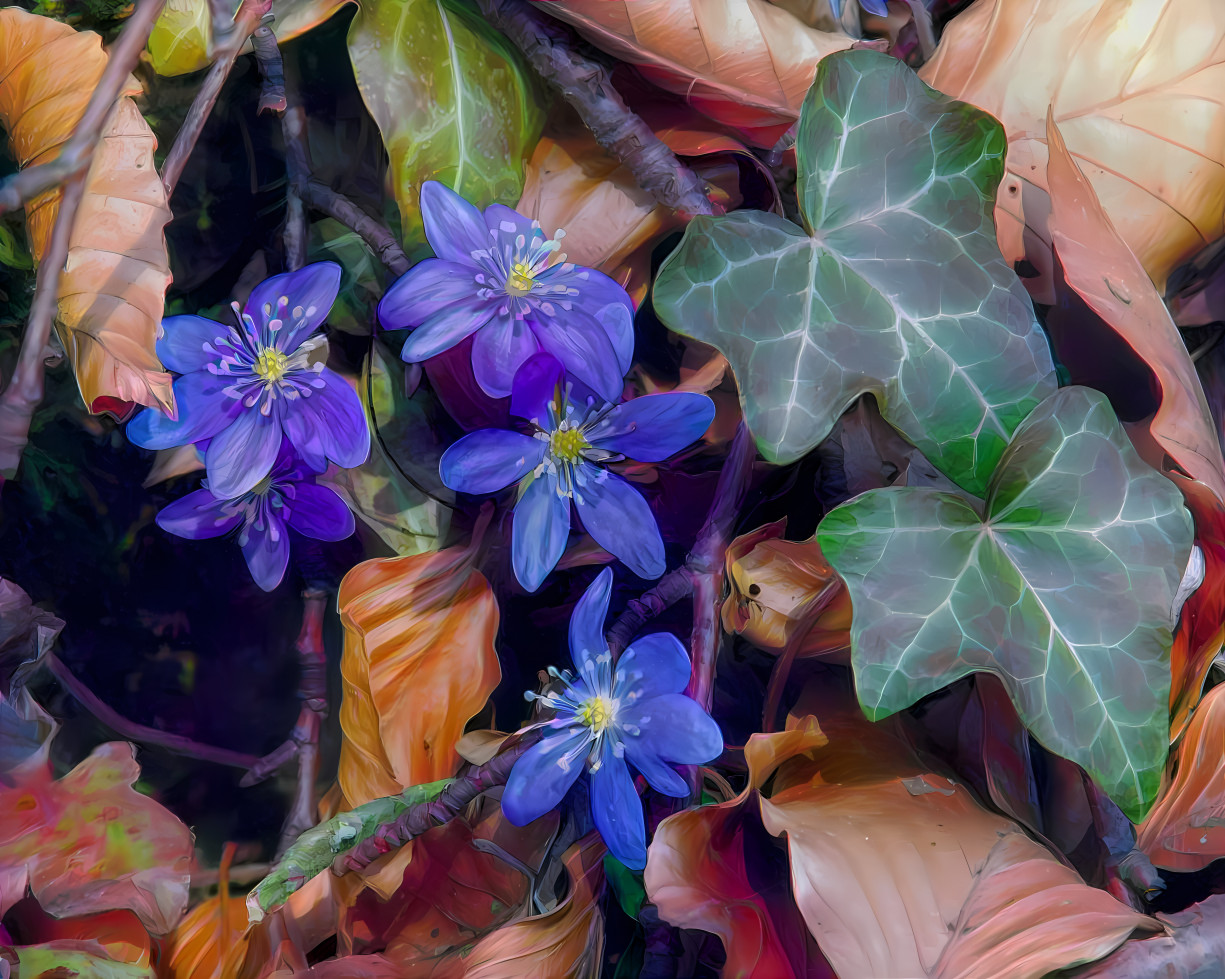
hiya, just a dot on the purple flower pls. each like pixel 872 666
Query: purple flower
pixel 244 387
pixel 609 716
pixel 564 460
pixel 287 496
pixel 498 277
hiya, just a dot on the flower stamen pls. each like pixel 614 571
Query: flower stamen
pixel 271 365
pixel 597 713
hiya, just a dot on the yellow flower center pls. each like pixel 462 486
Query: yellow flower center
pixel 596 713
pixel 520 281
pixel 567 444
pixel 271 364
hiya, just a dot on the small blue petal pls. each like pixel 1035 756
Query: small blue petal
pixel 311 289
pixel 675 728
pixel 539 531
pixel 878 7
pixel 659 775
pixel 498 351
pixel 587 646
pixel 204 410
pixel 619 520
pixel 617 811
pixel 651 667
pixel 181 341
pixel 544 773
pixel 537 384
pixel 316 511
pixel 655 426
pixel 239 457
pixel 605 299
pixel 267 552
pixel 507 224
pixel 427 289
pixel 198 516
pixel 453 227
pixel 330 424
pixel 489 460
pixel 580 342
pixel 444 330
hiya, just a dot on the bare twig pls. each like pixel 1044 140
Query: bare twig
pixel 312 688
pixel 669 590
pixel 373 232
pixel 138 732
pixel 551 50
pixel 227 51
pixel 706 561
pixel 25 388
pixel 468 784
pixel 224 24
pixel 78 152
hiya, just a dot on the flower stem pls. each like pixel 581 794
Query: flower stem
pixel 550 49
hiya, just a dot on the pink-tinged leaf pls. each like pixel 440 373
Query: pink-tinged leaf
pixel 1028 915
pixel 90 842
pixel 71 958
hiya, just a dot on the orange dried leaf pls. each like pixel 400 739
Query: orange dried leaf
pixel 112 292
pixel 1185 831
pixel 1101 268
pixel 197 948
pixel 781 589
pixel 746 63
pixel 90 842
pixel 418 663
pixel 565 943
pixel 1137 88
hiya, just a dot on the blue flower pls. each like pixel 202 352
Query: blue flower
pixel 498 277
pixel 244 387
pixel 564 460
pixel 878 7
pixel 287 496
pixel 608 718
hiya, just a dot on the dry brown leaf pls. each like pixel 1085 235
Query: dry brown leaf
pixel 746 63
pixel 200 942
pixel 565 943
pixel 1137 87
pixel 1028 916
pixel 1101 268
pixel 1185 831
pixel 418 663
pixel 112 291
pixel 775 587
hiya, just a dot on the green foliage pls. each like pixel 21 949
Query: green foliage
pixel 894 287
pixel 1061 583
pixel 453 101
pixel 626 884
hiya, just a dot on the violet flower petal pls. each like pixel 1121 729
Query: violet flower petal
pixel 198 516
pixel 318 512
pixel 654 426
pixel 453 227
pixel 659 775
pixel 444 330
pixel 539 531
pixel 619 520
pixel 536 385
pixel 587 646
pixel 311 290
pixel 498 351
pixel 330 424
pixel 617 811
pixel 507 223
pixel 489 460
pixel 676 728
pixel 652 666
pixel 204 410
pixel 602 297
pixel 427 289
pixel 544 773
pixel 242 455
pixel 579 341
pixel 267 551
pixel 181 341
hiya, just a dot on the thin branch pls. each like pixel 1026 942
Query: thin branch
pixel 372 231
pixel 26 387
pixel 78 152
pixel 138 732
pixel 471 782
pixel 312 688
pixel 669 590
pixel 551 50
pixel 706 561
pixel 249 16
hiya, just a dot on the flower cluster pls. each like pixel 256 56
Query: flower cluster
pixel 267 414
pixel 608 718
pixel 564 461
pixel 497 277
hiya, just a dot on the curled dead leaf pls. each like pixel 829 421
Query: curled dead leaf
pixel 418 663
pixel 112 292
pixel 201 941
pixel 90 842
pixel 785 590
pixel 745 63
pixel 1135 86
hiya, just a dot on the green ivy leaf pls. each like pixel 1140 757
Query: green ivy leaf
pixel 1061 584
pixel 894 287
pixel 453 101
